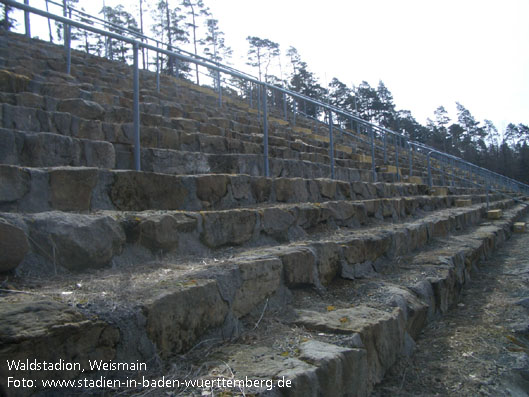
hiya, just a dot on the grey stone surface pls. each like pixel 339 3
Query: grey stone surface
pixel 228 227
pixel 71 189
pixel 13 246
pixel 14 183
pixel 260 278
pixel 177 315
pixel 81 108
pixel 46 330
pixel 341 371
pixel 77 242
pixel 299 266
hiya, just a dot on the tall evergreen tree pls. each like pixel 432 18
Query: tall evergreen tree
pixel 384 108
pixel 305 82
pixel 7 23
pixel 120 18
pixel 261 53
pixel 196 10
pixel 168 29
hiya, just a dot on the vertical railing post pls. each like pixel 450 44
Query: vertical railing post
pixel 220 88
pixel 136 108
pixel 68 39
pixel 385 149
pixel 265 137
pixel 285 106
pixel 410 158
pixel 373 166
pixel 294 111
pixel 26 20
pixel 443 172
pixel 259 101
pixel 157 70
pixel 251 95
pixel 428 162
pixel 452 172
pixel 488 188
pixel 64 29
pixel 331 145
pixel 397 142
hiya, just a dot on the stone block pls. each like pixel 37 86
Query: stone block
pixel 81 108
pixel 494 214
pixel 298 266
pixel 340 370
pixel 14 183
pixel 343 211
pixel 160 232
pixel 138 191
pixel 71 189
pixel 99 154
pixel 291 190
pixel 519 227
pixel 328 260
pixel 13 246
pixel 233 227
pixel 90 129
pixel 463 202
pixel 415 179
pixel 276 222
pixel 261 188
pixel 391 169
pixel 77 242
pixel 177 315
pixel 19 118
pixel 362 158
pixel 382 333
pixel 345 149
pixel 260 278
pixel 302 130
pixel 30 100
pixel 212 188
pixel 47 330
pixel 439 191
pixel 327 188
pixel 12 82
pixel 49 150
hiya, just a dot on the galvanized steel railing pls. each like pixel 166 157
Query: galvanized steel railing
pixel 458 168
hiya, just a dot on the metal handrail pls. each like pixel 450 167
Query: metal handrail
pixel 139 35
pixel 219 68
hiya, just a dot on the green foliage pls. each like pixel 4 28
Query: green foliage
pixel 261 54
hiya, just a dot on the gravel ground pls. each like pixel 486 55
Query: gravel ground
pixel 481 346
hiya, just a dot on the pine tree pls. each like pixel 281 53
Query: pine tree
pixel 196 9
pixel 261 54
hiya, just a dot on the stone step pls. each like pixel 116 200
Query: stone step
pixel 341 341
pixel 79 242
pixel 210 93
pixel 89 189
pixel 88 129
pixel 43 149
pixel 48 149
pixel 168 308
pixel 127 111
pixel 173 134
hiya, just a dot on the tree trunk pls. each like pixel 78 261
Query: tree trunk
pixel 169 41
pixel 195 38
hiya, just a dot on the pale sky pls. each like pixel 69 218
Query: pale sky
pixel 428 53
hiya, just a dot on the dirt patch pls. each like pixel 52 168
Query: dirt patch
pixel 481 346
